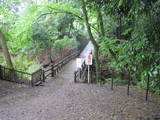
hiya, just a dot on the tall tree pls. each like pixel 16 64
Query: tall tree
pixel 100 21
pixel 92 39
pixel 102 29
pixel 5 50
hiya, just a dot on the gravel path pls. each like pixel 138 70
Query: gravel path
pixel 61 99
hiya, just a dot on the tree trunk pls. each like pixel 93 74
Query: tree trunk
pixel 100 21
pixel 120 27
pixel 5 51
pixel 96 47
pixel 98 72
pixel 102 31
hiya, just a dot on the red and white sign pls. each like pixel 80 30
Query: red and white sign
pixel 89 60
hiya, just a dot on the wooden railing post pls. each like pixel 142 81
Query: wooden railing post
pixel 57 69
pixel 86 75
pixel 0 72
pixel 148 82
pixel 75 77
pixel 129 80
pixel 80 72
pixel 52 71
pixel 32 80
pixel 43 76
pixel 91 73
pixel 61 65
pixel 112 81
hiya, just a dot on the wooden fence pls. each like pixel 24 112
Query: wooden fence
pixel 80 76
pixel 128 81
pixel 37 77
pixel 20 77
pixel 56 68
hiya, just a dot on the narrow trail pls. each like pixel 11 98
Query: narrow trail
pixel 61 99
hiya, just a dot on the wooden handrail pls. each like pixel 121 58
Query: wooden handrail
pixel 37 71
pixel 57 66
pixel 37 76
pixel 15 70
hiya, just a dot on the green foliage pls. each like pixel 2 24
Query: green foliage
pixel 121 2
pixel 59 45
pixel 1 60
pixel 22 63
pixel 37 27
pixel 63 8
pixel 140 53
pixel 56 25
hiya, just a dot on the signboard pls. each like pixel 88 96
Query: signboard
pixel 89 60
pixel 79 62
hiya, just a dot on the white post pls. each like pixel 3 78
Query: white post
pixel 88 74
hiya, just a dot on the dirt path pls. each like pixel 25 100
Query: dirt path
pixel 61 99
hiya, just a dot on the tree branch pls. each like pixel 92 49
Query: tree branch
pixel 67 12
pixel 50 13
